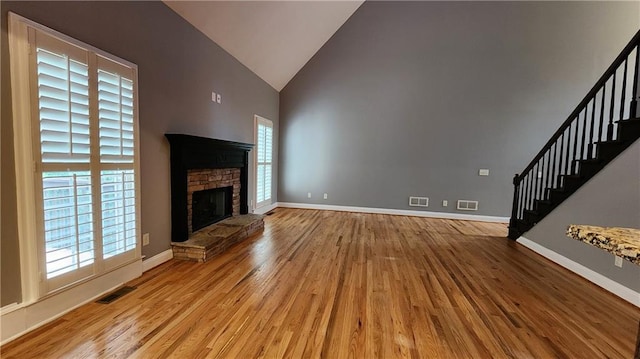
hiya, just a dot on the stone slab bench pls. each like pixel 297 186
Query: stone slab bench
pixel 210 241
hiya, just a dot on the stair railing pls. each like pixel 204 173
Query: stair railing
pixel 593 121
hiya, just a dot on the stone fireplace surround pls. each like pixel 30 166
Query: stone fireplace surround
pixel 210 178
pixel 199 163
pixel 204 163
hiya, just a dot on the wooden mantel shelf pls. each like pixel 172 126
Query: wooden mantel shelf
pixel 623 242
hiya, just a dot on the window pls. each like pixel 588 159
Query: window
pixel 263 160
pixel 82 115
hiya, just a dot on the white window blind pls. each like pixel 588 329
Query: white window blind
pixel 63 91
pixel 264 160
pixel 115 97
pixel 86 116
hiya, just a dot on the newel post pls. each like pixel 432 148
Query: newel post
pixel 513 222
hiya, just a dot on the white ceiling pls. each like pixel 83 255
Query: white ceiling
pixel 274 39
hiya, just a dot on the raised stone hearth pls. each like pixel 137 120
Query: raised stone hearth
pixel 210 241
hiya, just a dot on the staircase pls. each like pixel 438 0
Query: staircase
pixel 604 124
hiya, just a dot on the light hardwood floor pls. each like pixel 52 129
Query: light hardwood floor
pixel 334 285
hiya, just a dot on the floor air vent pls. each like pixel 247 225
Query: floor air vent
pixel 115 295
pixel 418 201
pixel 465 205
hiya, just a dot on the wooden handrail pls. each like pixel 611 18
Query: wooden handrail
pixel 567 156
pixel 590 95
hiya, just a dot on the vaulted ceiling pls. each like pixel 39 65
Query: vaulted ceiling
pixel 274 39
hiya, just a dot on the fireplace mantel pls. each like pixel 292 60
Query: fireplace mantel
pixel 193 152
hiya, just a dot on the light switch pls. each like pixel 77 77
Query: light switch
pixel 213 97
pixel 483 172
pixel 145 239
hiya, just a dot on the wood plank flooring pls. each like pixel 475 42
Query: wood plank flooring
pixel 338 285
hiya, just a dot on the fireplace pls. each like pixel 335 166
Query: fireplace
pixel 210 206
pixel 213 180
pixel 201 164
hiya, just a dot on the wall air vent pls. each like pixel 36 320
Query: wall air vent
pixel 418 201
pixel 465 205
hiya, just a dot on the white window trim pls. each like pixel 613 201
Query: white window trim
pixel 33 285
pixel 269 123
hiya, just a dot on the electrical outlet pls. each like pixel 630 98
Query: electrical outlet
pixel 308 194
pixel 483 172
pixel 325 196
pixel 445 203
pixel 219 98
pixel 539 174
pixel 618 262
pixel 145 239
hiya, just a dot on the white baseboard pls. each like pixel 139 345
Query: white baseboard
pixel 598 279
pixel 265 209
pixel 9 308
pixel 23 318
pixel 157 260
pixel 398 212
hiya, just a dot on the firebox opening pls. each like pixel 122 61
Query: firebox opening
pixel 210 206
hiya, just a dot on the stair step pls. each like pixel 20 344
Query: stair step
pixel 609 149
pixel 588 168
pixel 606 151
pixel 531 217
pixel 629 130
pixel 557 195
pixel 544 202
pixel 572 182
pixel 543 207
pixel 517 227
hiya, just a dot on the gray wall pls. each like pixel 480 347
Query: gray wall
pixel 178 69
pixel 610 199
pixel 412 98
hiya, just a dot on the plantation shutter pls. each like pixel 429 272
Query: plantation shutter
pixel 117 178
pixel 86 159
pixel 268 140
pixel 63 89
pixel 118 212
pixel 115 98
pixel 69 241
pixel 260 148
pixel 264 154
pixel 62 74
